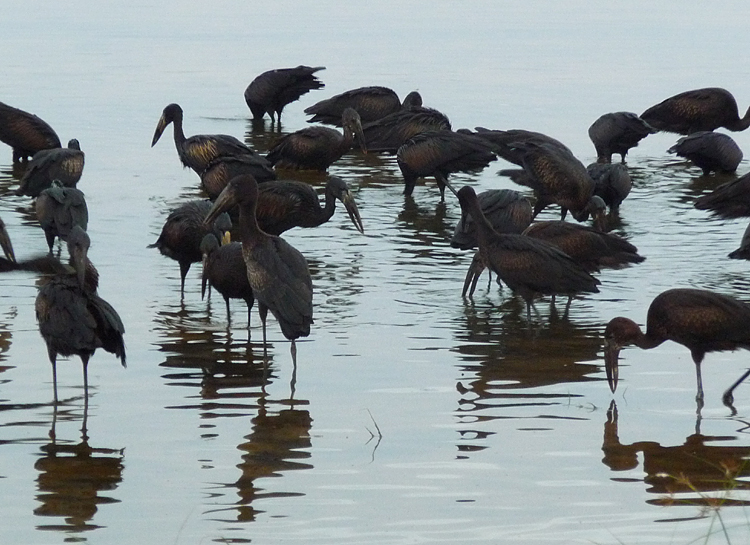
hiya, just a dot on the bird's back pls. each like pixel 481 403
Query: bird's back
pixel 371 103
pixel 25 132
pixel 691 111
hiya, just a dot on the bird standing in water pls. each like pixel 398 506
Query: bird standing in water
pixel 371 103
pixel 697 110
pixel 617 132
pixel 317 148
pixel 73 319
pixel 199 150
pixel 59 209
pixel 702 321
pixel 62 164
pixel 276 271
pixel 25 133
pixel 709 151
pixel 272 90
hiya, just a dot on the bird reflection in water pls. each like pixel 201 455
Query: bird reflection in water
pixel 505 366
pixel 71 477
pixel 698 472
pixel 6 334
pixel 279 442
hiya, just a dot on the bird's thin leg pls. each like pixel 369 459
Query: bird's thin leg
pixel 699 395
pixel 229 316
pixel 728 397
pixel 53 360
pixel 249 308
pixel 184 268
pixel 293 382
pixel 52 431
pixel 263 311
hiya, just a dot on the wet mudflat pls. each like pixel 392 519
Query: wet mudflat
pixel 417 415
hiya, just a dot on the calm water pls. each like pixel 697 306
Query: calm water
pixel 492 431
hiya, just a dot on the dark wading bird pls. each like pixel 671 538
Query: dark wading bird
pixel 224 270
pixel 73 319
pixel 271 91
pixel 743 252
pixel 710 151
pixel 199 150
pixel 182 233
pixel 371 103
pixel 612 183
pixel 529 267
pixel 276 271
pixel 63 164
pixel 697 110
pixel 702 321
pixel 508 211
pixel 59 209
pixel 729 200
pixel 617 132
pixel 590 248
pixel 222 169
pixel 284 204
pixel 389 133
pixel 504 142
pixel 556 176
pixel 316 148
pixel 25 132
pixel 439 154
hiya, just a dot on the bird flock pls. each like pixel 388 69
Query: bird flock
pixel 250 196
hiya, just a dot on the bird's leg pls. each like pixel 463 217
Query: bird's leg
pixel 85 360
pixel 563 212
pixel 293 383
pixel 263 311
pixel 229 316
pixel 728 397
pixel 699 395
pixel 184 268
pixel 53 360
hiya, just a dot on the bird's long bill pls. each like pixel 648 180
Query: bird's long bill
pixel 611 355
pixel 159 130
pixel 223 202
pixel 6 244
pixel 353 211
pixel 78 259
pixel 359 136
pixel 204 279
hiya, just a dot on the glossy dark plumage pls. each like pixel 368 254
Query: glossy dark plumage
pixel 590 248
pixel 439 154
pixel 556 176
pixel 277 272
pixel 729 200
pixel 697 110
pixel 700 320
pixel 224 270
pixel 284 204
pixel 504 142
pixel 25 133
pixel 612 183
pixel 63 164
pixel 710 151
pixel 389 133
pixel 59 209
pixel 617 132
pixel 371 103
pixel 508 211
pixel 199 150
pixel 743 252
pixel 316 148
pixel 222 169
pixel 73 319
pixel 182 233
pixel 529 267
pixel 272 90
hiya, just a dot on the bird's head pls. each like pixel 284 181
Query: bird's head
pixel 340 190
pixel 241 190
pixel 78 248
pixel 412 100
pixel 618 333
pixel 351 122
pixel 171 113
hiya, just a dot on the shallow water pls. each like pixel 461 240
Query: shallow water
pixel 417 416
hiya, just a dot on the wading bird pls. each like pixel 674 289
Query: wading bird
pixel 505 142
pixel 389 133
pixel 529 267
pixel 73 319
pixel 697 110
pixel 729 200
pixel 62 164
pixel 316 148
pixel 277 272
pixel 272 90
pixel 700 320
pixel 710 151
pixel 439 154
pixel 617 132
pixel 508 211
pixel 199 150
pixel 371 103
pixel 59 209
pixel 25 133
pixel 224 270
pixel 284 204
pixel 222 169
pixel 612 183
pixel 182 233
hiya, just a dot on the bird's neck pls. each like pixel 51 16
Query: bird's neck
pixel 179 134
pixel 647 340
pixel 741 124
pixel 248 226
